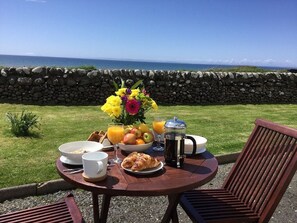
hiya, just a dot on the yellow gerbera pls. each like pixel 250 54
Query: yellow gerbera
pixel 107 108
pixel 134 92
pixel 154 105
pixel 116 111
pixel 121 92
pixel 114 100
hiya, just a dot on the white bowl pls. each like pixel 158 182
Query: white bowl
pixel 200 144
pixel 74 150
pixel 135 148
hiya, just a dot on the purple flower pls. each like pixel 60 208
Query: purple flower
pixel 124 98
pixel 128 91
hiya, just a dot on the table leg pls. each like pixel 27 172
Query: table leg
pixel 105 208
pixel 171 212
pixel 95 207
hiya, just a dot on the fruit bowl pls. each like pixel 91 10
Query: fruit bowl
pixel 135 148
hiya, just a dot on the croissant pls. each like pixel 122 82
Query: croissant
pixel 130 160
pixel 139 161
pixel 144 161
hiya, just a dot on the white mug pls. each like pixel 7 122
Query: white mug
pixel 95 165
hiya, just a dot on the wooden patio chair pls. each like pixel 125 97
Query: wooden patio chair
pixel 65 211
pixel 256 183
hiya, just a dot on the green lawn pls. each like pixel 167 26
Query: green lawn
pixel 31 160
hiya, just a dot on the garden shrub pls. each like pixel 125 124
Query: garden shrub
pixel 23 123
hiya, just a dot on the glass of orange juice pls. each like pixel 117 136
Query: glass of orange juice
pixel 158 127
pixel 115 134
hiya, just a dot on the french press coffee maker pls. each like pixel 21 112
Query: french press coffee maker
pixel 174 136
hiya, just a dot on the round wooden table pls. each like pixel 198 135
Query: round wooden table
pixel 169 181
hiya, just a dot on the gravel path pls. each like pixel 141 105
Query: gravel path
pixel 149 209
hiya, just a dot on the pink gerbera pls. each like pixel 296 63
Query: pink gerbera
pixel 132 106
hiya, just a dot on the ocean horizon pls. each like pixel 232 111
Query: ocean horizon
pixel 32 61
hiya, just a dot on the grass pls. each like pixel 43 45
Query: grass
pixel 26 160
pixel 235 69
pixel 245 69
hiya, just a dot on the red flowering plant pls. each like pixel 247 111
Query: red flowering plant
pixel 129 105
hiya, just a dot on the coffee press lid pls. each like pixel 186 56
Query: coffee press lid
pixel 175 124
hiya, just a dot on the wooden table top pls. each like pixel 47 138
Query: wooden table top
pixel 196 171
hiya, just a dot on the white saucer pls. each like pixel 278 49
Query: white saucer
pixel 65 160
pixel 147 171
pixel 198 151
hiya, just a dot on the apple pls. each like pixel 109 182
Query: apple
pixel 148 137
pixel 136 132
pixel 129 138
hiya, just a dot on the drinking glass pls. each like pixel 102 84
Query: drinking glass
pixel 158 127
pixel 115 134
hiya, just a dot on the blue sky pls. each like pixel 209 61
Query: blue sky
pixel 236 32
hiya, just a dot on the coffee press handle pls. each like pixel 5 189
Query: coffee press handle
pixel 194 144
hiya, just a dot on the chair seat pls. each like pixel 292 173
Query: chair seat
pixel 216 205
pixel 62 211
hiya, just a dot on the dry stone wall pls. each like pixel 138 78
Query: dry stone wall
pixel 55 86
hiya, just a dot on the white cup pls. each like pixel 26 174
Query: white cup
pixel 95 166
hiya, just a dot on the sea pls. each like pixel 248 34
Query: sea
pixel 32 61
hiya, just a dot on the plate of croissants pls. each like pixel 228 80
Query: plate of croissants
pixel 141 164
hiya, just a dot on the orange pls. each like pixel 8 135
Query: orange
pixel 139 141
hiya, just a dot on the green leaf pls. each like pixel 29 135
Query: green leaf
pixel 21 125
pixel 122 83
pixel 136 84
pixel 115 85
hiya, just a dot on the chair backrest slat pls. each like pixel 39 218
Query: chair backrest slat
pixel 265 177
pixel 256 170
pixel 240 170
pixel 265 167
pixel 286 170
pixel 271 173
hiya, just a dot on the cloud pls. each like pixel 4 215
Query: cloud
pixel 244 60
pixel 29 54
pixel 269 61
pixel 36 1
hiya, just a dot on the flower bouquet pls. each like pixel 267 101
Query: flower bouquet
pixel 129 105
